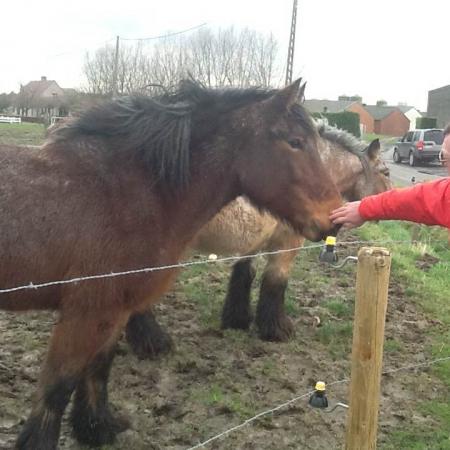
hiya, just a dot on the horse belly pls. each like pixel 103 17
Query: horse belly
pixel 30 299
pixel 238 229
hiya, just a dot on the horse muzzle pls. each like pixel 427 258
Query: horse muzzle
pixel 319 230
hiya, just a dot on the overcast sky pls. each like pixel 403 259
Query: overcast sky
pixel 383 49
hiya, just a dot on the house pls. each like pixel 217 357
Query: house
pixel 439 105
pixel 411 113
pixel 42 99
pixel 388 120
pixel 379 119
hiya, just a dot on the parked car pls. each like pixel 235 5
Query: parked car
pixel 419 145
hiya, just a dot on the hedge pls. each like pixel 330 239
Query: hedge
pixel 345 120
pixel 425 122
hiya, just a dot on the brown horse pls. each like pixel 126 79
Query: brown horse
pixel 128 184
pixel 242 229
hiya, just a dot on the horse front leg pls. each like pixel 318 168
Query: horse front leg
pixel 271 319
pixel 75 343
pixel 236 309
pixel 42 428
pixel 146 337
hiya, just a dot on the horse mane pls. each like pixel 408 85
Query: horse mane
pixel 341 137
pixel 159 128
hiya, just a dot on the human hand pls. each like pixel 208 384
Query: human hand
pixel 347 215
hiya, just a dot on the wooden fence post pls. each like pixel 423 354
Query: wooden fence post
pixel 372 281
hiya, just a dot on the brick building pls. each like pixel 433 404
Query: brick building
pixel 388 120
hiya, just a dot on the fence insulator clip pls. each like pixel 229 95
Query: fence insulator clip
pixel 319 399
pixel 328 253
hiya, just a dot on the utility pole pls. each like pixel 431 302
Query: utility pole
pixel 115 69
pixel 290 58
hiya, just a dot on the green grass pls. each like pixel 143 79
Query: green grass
pixel 337 337
pixel 369 137
pixel 392 346
pixel 22 133
pixel 339 307
pixel 196 287
pixel 418 440
pixel 216 396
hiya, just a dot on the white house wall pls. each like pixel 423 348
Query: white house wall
pixel 412 115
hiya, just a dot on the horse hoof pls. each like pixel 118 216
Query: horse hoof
pixel 281 330
pixel 152 345
pixel 235 321
pixel 147 340
pixel 120 423
pixel 36 435
pixel 99 431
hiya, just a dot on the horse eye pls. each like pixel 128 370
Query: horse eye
pixel 295 143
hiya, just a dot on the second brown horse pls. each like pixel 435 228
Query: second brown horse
pixel 242 229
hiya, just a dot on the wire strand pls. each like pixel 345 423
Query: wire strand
pixel 307 394
pixel 32 285
pixel 143 270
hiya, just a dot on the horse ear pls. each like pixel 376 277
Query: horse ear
pixel 373 151
pixel 286 97
pixel 301 93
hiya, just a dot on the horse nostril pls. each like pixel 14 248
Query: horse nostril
pixel 325 231
pixel 328 227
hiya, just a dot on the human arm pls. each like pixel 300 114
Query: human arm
pixel 427 203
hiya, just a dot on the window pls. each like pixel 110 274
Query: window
pixel 436 136
pixel 409 136
pixel 417 137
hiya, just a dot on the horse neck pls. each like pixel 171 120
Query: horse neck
pixel 346 167
pixel 210 189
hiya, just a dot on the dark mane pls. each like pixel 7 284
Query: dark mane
pixel 159 129
pixel 341 137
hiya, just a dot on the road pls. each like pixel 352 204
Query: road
pixel 403 173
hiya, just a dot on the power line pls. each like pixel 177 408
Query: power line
pixel 162 36
pixel 131 39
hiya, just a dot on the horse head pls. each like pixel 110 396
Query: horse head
pixel 281 170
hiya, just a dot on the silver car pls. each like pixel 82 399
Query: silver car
pixel 419 146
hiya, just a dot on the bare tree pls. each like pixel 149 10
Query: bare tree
pixel 99 70
pixel 217 58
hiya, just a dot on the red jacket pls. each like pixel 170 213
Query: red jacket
pixel 427 203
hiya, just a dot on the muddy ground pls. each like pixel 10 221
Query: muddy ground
pixel 214 380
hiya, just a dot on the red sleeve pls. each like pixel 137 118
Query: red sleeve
pixel 427 203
